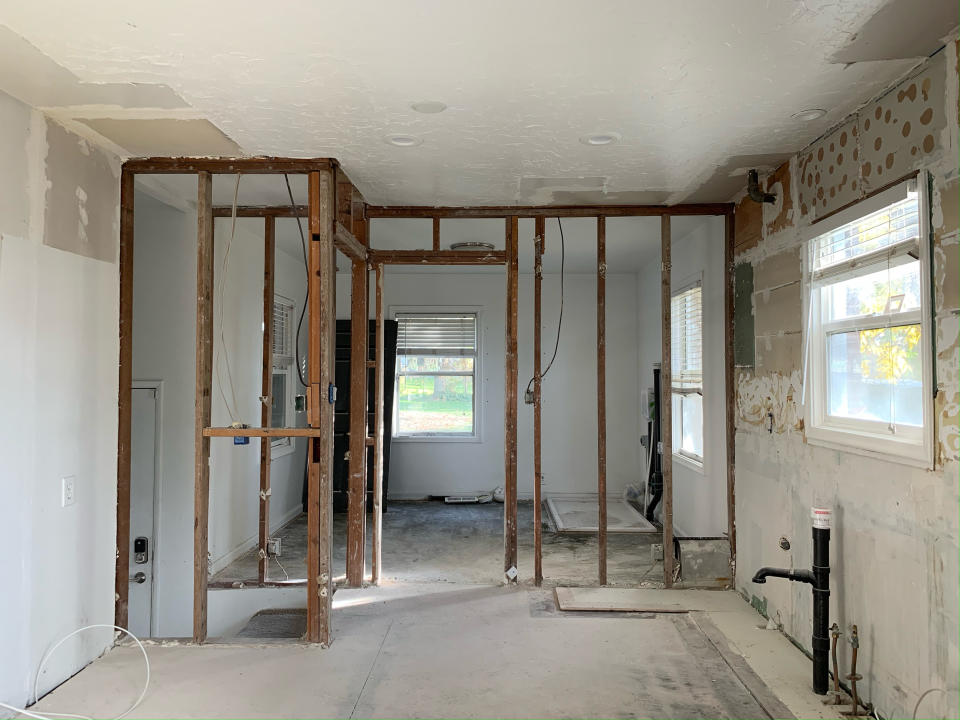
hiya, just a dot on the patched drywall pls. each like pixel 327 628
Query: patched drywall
pixel 906 518
pixel 143 137
pixel 77 171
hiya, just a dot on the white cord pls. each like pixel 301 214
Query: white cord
pixel 277 560
pixel 46 657
pixel 220 292
pixel 920 700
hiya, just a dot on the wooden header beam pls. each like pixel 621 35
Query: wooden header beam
pixel 261 432
pixel 226 165
pixel 561 211
pixel 257 211
pixel 442 257
pixel 346 243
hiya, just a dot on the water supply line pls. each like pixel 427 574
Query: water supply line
pixel 819 578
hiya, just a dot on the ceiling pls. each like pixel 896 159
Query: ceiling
pixel 697 91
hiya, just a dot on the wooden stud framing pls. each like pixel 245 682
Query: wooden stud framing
pixel 436 234
pixel 266 393
pixel 256 211
pixel 228 166
pixel 376 556
pixel 731 390
pixel 348 244
pixel 121 583
pixel 441 257
pixel 357 483
pixel 602 398
pixel 201 497
pixel 322 326
pixel 539 224
pixel 510 403
pixel 666 390
pixel 561 211
pixel 260 432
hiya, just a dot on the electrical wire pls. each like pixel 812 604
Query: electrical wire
pixel 920 700
pixel 220 291
pixel 306 267
pixel 43 662
pixel 556 345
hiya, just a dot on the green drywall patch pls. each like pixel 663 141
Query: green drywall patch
pixel 743 329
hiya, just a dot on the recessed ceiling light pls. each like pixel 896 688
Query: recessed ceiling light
pixel 403 140
pixel 808 115
pixel 429 107
pixel 604 138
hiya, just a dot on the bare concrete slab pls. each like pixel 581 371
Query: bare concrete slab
pixel 585 599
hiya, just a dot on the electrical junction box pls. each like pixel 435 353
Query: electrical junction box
pixel 273 546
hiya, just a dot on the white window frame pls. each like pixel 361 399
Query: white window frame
pixel 686 457
pixel 284 365
pixel 478 402
pixel 864 437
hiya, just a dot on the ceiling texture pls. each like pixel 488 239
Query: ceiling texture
pixel 693 92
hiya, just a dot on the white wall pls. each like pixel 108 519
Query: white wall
pixel 58 378
pixel 421 468
pixel 699 495
pixel 164 327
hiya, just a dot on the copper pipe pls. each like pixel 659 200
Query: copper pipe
pixel 853 677
pixel 835 634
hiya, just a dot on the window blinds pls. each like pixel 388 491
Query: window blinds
pixel 436 334
pixel 889 232
pixel 686 333
pixel 282 329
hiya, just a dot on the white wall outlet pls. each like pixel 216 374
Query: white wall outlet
pixel 67 496
pixel 656 552
pixel 274 546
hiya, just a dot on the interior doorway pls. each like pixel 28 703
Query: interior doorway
pixel 144 442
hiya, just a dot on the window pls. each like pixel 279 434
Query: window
pixel 284 357
pixel 868 347
pixel 436 375
pixel 686 368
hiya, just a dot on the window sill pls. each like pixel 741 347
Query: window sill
pixel 871 445
pixel 279 451
pixel 437 438
pixel 688 462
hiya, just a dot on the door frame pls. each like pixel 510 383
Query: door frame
pixel 157 387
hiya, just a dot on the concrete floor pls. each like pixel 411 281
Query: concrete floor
pixel 436 542
pixel 442 650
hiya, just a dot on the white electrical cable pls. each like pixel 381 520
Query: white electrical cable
pixel 46 657
pixel 220 292
pixel 920 700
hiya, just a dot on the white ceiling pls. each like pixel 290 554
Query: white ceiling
pixel 698 89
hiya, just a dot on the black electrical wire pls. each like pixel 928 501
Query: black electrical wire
pixel 306 267
pixel 560 320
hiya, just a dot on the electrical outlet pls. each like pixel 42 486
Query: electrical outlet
pixel 656 552
pixel 273 546
pixel 67 496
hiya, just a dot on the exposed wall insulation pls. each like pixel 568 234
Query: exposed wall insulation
pixel 897 515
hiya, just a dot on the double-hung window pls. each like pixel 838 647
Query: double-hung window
pixel 686 367
pixel 869 381
pixel 284 370
pixel 436 375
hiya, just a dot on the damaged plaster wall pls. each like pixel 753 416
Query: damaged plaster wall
pixel 58 378
pixel 895 538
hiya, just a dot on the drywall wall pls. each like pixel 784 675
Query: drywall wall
pixel 894 548
pixel 58 377
pixel 164 326
pixel 421 468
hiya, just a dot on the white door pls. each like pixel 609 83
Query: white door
pixel 143 452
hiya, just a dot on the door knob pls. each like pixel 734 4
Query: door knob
pixel 139 578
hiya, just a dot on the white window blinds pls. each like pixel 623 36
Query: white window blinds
pixel 686 333
pixel 437 334
pixel 282 330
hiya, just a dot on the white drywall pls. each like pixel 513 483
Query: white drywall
pixel 164 327
pixel 58 378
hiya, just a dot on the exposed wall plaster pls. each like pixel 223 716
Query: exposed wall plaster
pixel 906 516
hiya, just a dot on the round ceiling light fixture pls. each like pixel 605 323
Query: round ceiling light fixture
pixel 472 246
pixel 809 115
pixel 403 140
pixel 604 138
pixel 428 107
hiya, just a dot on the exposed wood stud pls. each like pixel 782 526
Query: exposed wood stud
pixel 201 498
pixel 247 211
pixel 348 244
pixel 443 257
pixel 436 234
pixel 322 326
pixel 121 585
pixel 666 391
pixel 510 404
pixel 357 464
pixel 266 392
pixel 376 555
pixel 602 398
pixel 731 390
pixel 561 211
pixel 539 226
